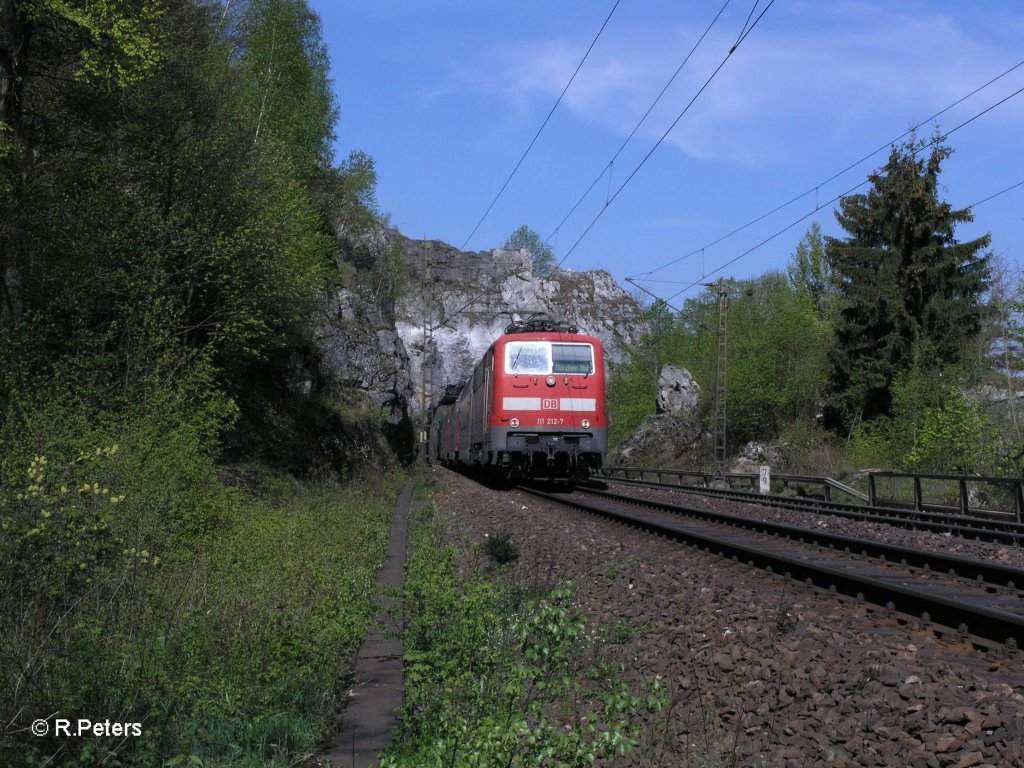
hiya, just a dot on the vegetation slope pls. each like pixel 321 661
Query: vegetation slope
pixel 186 542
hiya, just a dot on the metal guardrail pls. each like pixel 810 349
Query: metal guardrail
pixel 927 493
pixel 1010 489
pixel 826 485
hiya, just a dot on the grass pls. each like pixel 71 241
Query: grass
pixel 232 643
pixel 501 548
pixel 295 594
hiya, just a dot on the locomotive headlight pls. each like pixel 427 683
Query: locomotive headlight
pixel 550 381
pixel 514 422
pixel 585 423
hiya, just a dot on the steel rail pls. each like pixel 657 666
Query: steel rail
pixel 981 529
pixel 964 615
pixel 1000 575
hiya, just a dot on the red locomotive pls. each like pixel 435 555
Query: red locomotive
pixel 534 406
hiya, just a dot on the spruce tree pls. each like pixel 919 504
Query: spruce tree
pixel 909 292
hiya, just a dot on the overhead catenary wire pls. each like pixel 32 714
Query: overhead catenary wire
pixel 833 177
pixel 668 130
pixel 746 31
pixel 746 24
pixel 931 143
pixel 997 194
pixel 542 126
pixel 668 302
pixel 607 169
pixel 818 205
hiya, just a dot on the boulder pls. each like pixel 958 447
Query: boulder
pixel 678 392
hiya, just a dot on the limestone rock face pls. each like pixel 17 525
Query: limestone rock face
pixel 678 392
pixel 467 300
pixel 456 304
pixel 359 347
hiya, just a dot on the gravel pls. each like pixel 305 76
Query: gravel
pixel 758 670
pixel 936 542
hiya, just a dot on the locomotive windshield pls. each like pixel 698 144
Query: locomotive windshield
pixel 528 357
pixel 540 358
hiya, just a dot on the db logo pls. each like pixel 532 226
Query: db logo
pixel 549 404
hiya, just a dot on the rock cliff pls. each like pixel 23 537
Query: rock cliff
pixel 462 301
pixel 360 348
pixel 454 306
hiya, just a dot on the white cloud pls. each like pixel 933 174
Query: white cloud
pixel 809 73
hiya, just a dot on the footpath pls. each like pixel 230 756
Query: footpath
pixel 377 691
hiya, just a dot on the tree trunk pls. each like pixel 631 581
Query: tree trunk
pixel 10 288
pixel 15 33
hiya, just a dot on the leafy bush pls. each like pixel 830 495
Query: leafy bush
pixel 935 428
pixel 274 640
pixel 871 444
pixel 951 437
pixel 809 449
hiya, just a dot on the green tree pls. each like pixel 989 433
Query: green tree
pixel 213 246
pixel 348 203
pixel 389 277
pixel 282 60
pixel 777 347
pixel 543 258
pixel 810 273
pixel 45 45
pixel 351 190
pixel 909 292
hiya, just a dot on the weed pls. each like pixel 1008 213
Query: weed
pixel 501 548
pixel 496 679
pixel 621 630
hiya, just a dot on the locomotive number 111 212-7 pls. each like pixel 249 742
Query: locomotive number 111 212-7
pixel 533 406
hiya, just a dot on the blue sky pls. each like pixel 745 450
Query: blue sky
pixel 446 96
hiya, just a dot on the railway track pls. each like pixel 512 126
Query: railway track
pixel 974 600
pixel 968 527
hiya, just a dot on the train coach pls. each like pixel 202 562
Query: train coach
pixel 534 406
